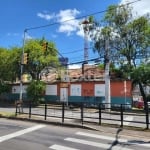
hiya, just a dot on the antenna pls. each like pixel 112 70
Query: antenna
pixel 85 25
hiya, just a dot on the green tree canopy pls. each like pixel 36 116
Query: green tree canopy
pixel 39 57
pixel 142 74
pixel 128 36
pixel 9 63
pixel 36 91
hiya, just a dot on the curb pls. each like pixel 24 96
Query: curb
pixel 112 129
pixel 53 123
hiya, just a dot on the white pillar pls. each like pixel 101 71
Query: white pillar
pixel 107 87
pixel 107 76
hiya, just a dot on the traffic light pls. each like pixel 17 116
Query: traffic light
pixel 25 58
pixel 45 46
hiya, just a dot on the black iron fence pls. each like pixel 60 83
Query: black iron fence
pixel 117 114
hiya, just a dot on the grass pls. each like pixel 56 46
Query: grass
pixel 7 114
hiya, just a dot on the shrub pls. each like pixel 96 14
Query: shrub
pixel 36 91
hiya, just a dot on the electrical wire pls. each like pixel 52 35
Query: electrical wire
pixel 84 16
pixel 56 23
pixel 74 51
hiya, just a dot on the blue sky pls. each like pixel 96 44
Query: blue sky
pixel 17 15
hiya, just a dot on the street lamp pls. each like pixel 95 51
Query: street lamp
pixel 21 65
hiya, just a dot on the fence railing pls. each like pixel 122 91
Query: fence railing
pixel 118 114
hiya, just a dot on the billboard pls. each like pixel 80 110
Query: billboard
pixel 63 61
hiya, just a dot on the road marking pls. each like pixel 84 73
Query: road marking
pixel 21 132
pixel 96 144
pixel 141 143
pixel 101 137
pixel 59 147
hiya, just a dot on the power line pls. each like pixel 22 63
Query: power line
pixel 56 23
pixel 84 16
pixel 74 51
pixel 83 61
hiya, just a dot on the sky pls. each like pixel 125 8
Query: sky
pixel 49 19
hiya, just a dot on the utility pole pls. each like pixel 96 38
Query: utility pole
pixel 21 66
pixel 107 74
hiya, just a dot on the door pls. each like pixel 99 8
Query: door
pixel 64 94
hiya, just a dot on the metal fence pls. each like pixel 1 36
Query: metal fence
pixel 118 114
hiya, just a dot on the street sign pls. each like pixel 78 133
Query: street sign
pixel 63 61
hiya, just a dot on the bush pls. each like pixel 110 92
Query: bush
pixel 36 91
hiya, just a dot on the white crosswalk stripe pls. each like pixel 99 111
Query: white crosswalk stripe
pixel 21 132
pixel 81 141
pixel 100 136
pixel 59 147
pixel 95 144
pixel 112 139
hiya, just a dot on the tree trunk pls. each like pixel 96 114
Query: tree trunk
pixel 143 94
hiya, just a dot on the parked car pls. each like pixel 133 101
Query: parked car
pixel 139 104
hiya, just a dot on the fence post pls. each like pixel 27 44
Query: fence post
pixel 30 109
pixel 16 111
pixel 121 113
pixel 100 113
pixel 82 113
pixel 147 117
pixel 45 111
pixel 63 112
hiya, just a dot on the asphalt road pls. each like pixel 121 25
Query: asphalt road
pixel 21 135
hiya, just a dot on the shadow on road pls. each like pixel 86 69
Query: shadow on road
pixel 116 139
pixel 129 142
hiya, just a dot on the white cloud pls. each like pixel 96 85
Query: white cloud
pixel 80 32
pixel 74 66
pixel 46 15
pixel 140 7
pixel 68 23
pixel 28 37
pixel 66 19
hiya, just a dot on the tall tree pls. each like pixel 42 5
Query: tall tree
pixel 9 63
pixel 41 53
pixel 129 38
pixel 14 63
pixel 4 54
pixel 141 75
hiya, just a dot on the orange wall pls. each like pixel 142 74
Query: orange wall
pixel 118 88
pixel 87 89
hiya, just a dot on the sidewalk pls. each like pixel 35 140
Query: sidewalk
pixel 123 132
pixel 105 128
